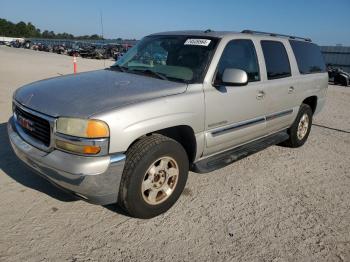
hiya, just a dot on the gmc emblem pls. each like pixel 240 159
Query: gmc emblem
pixel 25 123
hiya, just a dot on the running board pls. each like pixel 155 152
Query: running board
pixel 228 157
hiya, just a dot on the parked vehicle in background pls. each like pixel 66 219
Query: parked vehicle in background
pixel 73 51
pixel 59 49
pixel 118 55
pixel 112 50
pixel 87 52
pixel 16 44
pixel 176 101
pixel 35 47
pixel 27 44
pixel 45 48
pixel 83 49
pixel 9 40
pixel 338 76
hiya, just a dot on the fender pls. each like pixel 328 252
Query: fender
pixel 129 123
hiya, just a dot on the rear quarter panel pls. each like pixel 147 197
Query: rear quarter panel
pixel 312 85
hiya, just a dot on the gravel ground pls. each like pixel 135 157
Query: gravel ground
pixel 277 205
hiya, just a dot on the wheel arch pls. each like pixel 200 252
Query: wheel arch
pixel 312 102
pixel 183 134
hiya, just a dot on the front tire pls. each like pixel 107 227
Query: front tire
pixel 154 176
pixel 300 130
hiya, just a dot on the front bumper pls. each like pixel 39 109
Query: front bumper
pixel 94 179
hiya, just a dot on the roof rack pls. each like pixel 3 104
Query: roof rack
pixel 208 31
pixel 275 34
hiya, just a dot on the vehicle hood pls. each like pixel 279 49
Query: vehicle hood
pixel 85 94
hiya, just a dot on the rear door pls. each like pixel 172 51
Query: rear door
pixel 279 86
pixel 311 76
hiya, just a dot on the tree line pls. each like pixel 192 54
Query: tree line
pixel 21 29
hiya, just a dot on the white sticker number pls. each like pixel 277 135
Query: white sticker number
pixel 202 42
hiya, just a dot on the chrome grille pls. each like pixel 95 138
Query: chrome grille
pixel 34 126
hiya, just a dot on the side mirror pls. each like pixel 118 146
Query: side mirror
pixel 234 77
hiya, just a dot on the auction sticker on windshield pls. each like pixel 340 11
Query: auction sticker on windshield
pixel 202 42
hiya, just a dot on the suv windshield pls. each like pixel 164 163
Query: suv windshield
pixel 175 58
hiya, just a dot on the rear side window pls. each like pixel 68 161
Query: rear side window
pixel 276 59
pixel 308 56
pixel 239 54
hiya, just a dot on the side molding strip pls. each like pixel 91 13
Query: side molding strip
pixel 238 126
pixel 251 122
pixel 279 114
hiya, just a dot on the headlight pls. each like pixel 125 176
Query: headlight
pixel 87 128
pixel 82 136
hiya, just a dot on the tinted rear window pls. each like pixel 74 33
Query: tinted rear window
pixel 308 56
pixel 276 59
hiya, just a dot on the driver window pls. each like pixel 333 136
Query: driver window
pixel 239 54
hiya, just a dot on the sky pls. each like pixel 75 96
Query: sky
pixel 326 22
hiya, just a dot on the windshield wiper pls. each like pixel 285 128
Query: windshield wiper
pixel 120 68
pixel 148 71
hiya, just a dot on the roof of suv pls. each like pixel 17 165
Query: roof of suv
pixel 222 34
pixel 210 33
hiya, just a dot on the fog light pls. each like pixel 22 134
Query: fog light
pixel 81 149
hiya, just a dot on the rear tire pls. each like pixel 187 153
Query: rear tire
pixel 154 176
pixel 300 130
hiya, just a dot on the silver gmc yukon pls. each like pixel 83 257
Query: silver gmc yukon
pixel 176 101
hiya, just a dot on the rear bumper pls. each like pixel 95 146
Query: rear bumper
pixel 94 179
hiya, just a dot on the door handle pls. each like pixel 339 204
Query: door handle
pixel 290 89
pixel 260 95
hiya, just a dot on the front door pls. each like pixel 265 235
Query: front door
pixel 235 114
